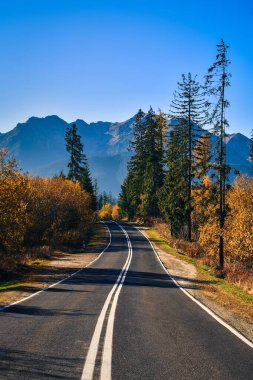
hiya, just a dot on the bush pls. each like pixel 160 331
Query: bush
pixel 36 212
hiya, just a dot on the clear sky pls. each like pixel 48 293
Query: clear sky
pixel 102 60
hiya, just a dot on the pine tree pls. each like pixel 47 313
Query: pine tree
pixel 138 195
pixel 75 149
pixel 217 81
pixel 127 199
pixel 188 107
pixel 153 174
pixel 173 194
pixel 78 164
pixel 86 182
pixel 60 175
pixel 204 191
pixel 202 156
pixel 131 190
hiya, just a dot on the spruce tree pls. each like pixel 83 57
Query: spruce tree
pixel 217 81
pixel 138 195
pixel 86 182
pixel 173 194
pixel 188 107
pixel 131 190
pixel 127 199
pixel 78 164
pixel 75 149
pixel 153 173
pixel 205 191
pixel 202 156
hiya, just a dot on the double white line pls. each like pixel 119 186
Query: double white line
pixel 112 298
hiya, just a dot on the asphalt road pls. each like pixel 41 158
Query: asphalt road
pixel 121 318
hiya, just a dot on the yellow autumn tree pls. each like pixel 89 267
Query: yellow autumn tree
pixel 201 195
pixel 115 212
pixel 106 212
pixel 239 223
pixel 39 211
pixel 60 212
pixel 13 205
pixel 238 230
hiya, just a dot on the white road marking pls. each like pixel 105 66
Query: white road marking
pixel 106 366
pixel 204 307
pixel 89 365
pixel 64 279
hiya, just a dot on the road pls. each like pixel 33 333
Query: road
pixel 121 318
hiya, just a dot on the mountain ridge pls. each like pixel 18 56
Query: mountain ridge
pixel 39 146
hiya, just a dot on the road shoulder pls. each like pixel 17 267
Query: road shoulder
pixel 236 314
pixel 43 273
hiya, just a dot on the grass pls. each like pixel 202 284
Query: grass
pixel 98 235
pixel 8 284
pixel 216 288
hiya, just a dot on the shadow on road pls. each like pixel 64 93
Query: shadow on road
pixel 102 277
pixel 18 364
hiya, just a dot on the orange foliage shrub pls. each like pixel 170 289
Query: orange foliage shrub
pixel 59 212
pixel 238 231
pixel 115 212
pixel 106 212
pixel 239 223
pixel 39 211
pixel 13 205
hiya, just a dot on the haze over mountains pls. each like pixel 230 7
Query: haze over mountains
pixel 39 146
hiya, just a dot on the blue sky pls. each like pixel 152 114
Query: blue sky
pixel 102 60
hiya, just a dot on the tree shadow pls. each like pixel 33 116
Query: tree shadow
pixel 103 277
pixel 20 364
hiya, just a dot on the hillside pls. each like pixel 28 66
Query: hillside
pixel 39 146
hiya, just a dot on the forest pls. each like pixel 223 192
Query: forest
pixel 174 182
pixel 177 183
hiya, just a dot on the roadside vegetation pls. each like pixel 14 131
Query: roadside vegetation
pixel 212 286
pixel 40 215
pixel 177 183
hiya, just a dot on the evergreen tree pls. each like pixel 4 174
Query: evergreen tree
pixel 173 194
pixel 145 170
pixel 204 190
pixel 78 164
pixel 188 106
pixel 86 182
pixel 60 175
pixel 202 156
pixel 127 199
pixel 75 149
pixel 153 174
pixel 105 198
pixel 130 196
pixel 217 81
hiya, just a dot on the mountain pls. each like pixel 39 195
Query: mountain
pixel 39 146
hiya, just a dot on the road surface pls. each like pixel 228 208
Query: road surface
pixel 121 318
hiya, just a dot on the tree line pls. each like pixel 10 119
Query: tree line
pixel 173 172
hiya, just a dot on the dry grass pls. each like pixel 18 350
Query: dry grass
pixel 235 272
pixel 217 289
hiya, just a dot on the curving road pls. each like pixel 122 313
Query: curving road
pixel 121 318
